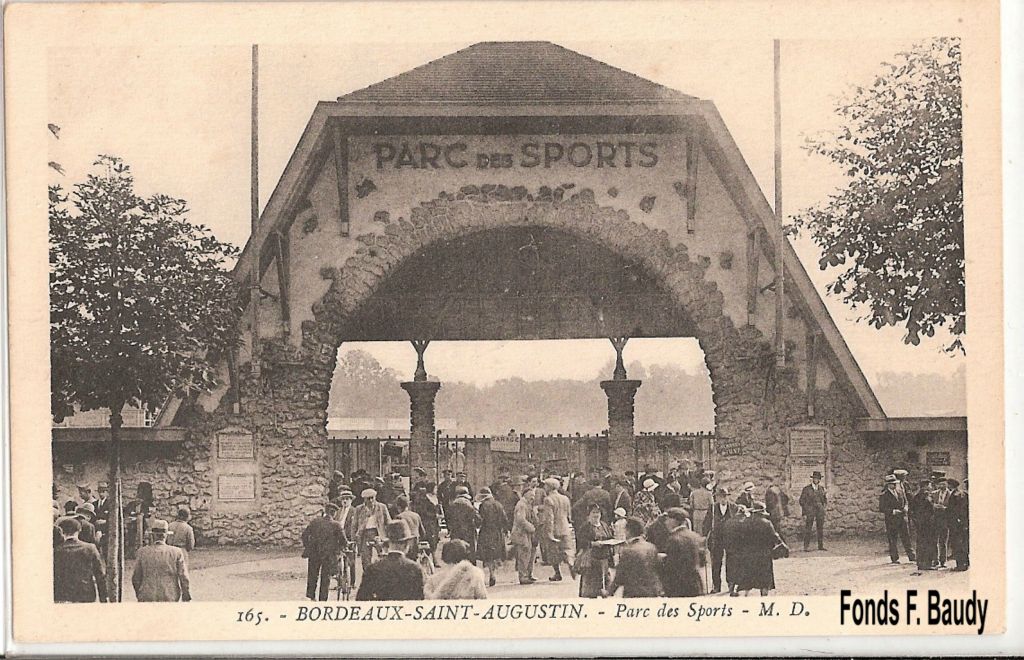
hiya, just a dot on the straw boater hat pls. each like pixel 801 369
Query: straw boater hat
pixel 900 472
pixel 650 484
pixel 620 512
pixel 890 478
pixel 759 507
pixel 346 493
pixel 748 486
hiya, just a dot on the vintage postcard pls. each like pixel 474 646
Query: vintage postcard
pixel 428 321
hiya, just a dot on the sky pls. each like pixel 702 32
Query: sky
pixel 180 118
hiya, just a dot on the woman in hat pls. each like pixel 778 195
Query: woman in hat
pixel 645 506
pixel 593 557
pixel 491 537
pixel 761 543
pixel 458 579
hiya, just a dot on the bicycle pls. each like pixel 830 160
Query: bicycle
pixel 425 558
pixel 342 578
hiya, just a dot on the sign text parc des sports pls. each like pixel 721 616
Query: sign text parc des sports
pixel 395 155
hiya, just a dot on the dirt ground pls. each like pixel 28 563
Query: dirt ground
pixel 266 574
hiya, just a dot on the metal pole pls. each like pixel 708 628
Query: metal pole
pixel 254 209
pixel 780 271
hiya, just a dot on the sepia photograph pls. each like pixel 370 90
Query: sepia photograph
pixel 549 322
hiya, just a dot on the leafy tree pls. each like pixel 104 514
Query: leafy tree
pixel 362 387
pixel 897 228
pixel 141 306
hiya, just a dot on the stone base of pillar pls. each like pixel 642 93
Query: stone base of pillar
pixel 621 438
pixel 421 425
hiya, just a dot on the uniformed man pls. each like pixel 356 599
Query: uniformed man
pixel 813 502
pixel 941 500
pixel 922 512
pixel 713 530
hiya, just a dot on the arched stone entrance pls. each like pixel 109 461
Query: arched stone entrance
pixel 285 408
pixel 631 173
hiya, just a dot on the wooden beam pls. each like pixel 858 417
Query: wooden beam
pixel 692 156
pixel 283 281
pixel 753 263
pixel 812 370
pixel 341 175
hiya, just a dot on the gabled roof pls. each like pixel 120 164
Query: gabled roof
pixel 503 79
pixel 514 72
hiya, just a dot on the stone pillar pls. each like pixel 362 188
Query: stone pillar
pixel 421 424
pixel 421 414
pixel 621 437
pixel 620 391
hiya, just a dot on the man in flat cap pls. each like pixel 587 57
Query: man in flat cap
pixel 78 575
pixel 161 572
pixel 323 541
pixel 813 502
pixel 395 576
pixel 893 505
pixel 371 519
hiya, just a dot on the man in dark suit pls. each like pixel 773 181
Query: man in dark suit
pixel 813 501
pixel 323 541
pixel 959 525
pixel 892 504
pixel 719 513
pixel 942 526
pixel 684 554
pixel 463 520
pixel 445 490
pixel 102 512
pixel 77 569
pixel 637 568
pixel 394 577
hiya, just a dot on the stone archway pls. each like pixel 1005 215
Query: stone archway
pixel 286 407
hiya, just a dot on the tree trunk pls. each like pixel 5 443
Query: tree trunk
pixel 115 522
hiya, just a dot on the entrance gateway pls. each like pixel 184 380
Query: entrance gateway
pixel 521 191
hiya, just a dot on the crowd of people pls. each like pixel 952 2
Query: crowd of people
pixel 934 512
pixel 80 541
pixel 677 533
pixel 646 534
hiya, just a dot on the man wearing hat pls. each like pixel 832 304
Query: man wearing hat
pixel 941 500
pixel 335 485
pixel 371 518
pixel 85 494
pixel 77 568
pixel 892 504
pixel 713 530
pixel 463 520
pixel 161 573
pixel 462 479
pixel 445 490
pixel 394 576
pixel 636 571
pixel 346 516
pixel 524 535
pixel 102 511
pixel 558 509
pixel 322 541
pixel 922 512
pixel 813 502
pixel 746 496
pixel 959 525
pixel 85 514
pixel 680 574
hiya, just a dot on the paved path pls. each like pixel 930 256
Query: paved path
pixel 248 576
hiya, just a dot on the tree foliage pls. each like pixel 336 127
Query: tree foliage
pixel 141 302
pixel 896 229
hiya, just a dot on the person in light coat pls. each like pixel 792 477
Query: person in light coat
pixel 524 536
pixel 161 573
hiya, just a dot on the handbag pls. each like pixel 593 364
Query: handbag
pixel 584 560
pixel 780 551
